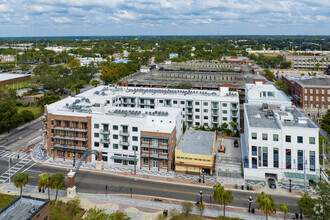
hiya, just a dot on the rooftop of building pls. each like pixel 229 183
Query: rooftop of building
pixel 293 77
pixel 197 142
pixel 108 92
pixel 23 207
pixel 265 93
pixel 8 76
pixel 276 116
pixel 304 56
pixel 315 82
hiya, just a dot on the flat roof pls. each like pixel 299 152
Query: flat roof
pixel 315 82
pixel 23 207
pixel 197 142
pixel 8 76
pixel 283 116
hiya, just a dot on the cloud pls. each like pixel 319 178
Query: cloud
pixel 202 17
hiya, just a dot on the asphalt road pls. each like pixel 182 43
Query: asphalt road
pixel 95 182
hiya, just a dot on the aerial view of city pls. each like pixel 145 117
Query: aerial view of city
pixel 164 110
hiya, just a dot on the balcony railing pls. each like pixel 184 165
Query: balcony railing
pixel 105 140
pixel 70 129
pixel 69 147
pixel 71 138
pixel 122 133
pixel 215 107
pixel 104 131
pixel 147 155
pixel 124 143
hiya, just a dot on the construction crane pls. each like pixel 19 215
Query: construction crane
pixel 222 148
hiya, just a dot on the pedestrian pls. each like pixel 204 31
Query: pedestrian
pixel 7 139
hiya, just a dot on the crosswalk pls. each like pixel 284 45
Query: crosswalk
pixel 24 160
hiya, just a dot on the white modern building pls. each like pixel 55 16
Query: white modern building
pixel 132 124
pixel 86 61
pixel 279 142
pixel 265 93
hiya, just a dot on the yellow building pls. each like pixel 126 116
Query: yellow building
pixel 195 152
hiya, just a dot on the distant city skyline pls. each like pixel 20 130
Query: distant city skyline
pixel 22 18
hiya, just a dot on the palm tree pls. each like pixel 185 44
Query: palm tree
pixel 233 126
pixel 21 180
pixel 45 182
pixel 222 197
pixel 285 209
pixel 58 182
pixel 266 204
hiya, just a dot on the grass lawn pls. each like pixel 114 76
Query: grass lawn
pixel 20 85
pixel 57 213
pixel 36 110
pixel 6 200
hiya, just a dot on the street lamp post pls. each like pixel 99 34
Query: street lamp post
pixel 201 196
pixel 250 202
pixel 290 180
pixel 203 173
pixel 74 161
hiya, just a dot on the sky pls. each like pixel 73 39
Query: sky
pixel 28 18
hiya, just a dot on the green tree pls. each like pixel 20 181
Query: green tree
pixel 74 63
pixel 281 84
pixel 187 207
pixel 269 75
pixel 73 206
pixel 285 209
pixel 96 214
pixel 233 126
pixel 227 199
pixel 325 122
pixel 48 98
pixel 266 204
pixel 306 204
pixel 20 180
pixel 27 115
pixel 118 216
pixel 323 189
pixel 58 182
pixel 45 183
pixel 25 67
pixel 95 82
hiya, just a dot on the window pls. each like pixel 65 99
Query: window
pixel 115 127
pixel 224 118
pixel 155 142
pixel 135 138
pixel 165 151
pixel 117 161
pixel 306 98
pixel 224 112
pixel 224 104
pixel 115 136
pixel 135 148
pixel 288 158
pixel 165 141
pixel 300 160
pixel 161 101
pixel 264 137
pixel 165 163
pixel 205 103
pixel 182 102
pixel 145 139
pixel 175 102
pixel 275 157
pixel 106 137
pixel 275 137
pixel 265 156
pixel 311 90
pixel 312 160
pixel 254 136
pixel 115 146
pixel 106 127
pixel 254 162
pixel 154 151
pixel 288 138
pixel 145 149
pixel 205 110
pixel 197 117
pixel 206 118
pixel 96 144
pixel 97 126
pixel 106 145
pixel 311 140
pixel 305 90
pixel 196 103
pixel 145 161
pixel 300 139
pixel 96 135
pixel 311 98
pixel 134 129
pixel 197 110
pixel 254 151
pixel 125 147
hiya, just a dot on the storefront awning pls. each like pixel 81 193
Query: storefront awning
pixel 300 176
pixel 124 158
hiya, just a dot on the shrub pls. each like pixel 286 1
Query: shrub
pixel 19 103
pixel 187 207
pixel 27 115
pixel 26 104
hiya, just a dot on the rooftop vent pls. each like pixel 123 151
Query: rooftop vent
pixel 302 120
pixel 264 107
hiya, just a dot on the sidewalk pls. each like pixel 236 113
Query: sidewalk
pixel 171 177
pixel 138 207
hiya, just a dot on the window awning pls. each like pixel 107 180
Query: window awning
pixel 124 158
pixel 300 176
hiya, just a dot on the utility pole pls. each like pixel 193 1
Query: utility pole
pixel 323 152
pixel 304 173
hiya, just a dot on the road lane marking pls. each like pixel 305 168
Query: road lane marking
pixel 29 167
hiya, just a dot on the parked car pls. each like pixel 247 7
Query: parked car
pixel 271 183
pixel 235 143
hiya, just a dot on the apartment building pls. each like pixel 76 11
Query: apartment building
pixel 7 58
pixel 308 62
pixel 258 92
pixel 279 142
pixel 133 124
pixel 309 92
pixel 202 66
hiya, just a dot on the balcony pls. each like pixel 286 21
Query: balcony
pixel 189 113
pixel 215 113
pixel 70 129
pixel 189 119
pixel 122 133
pixel 234 114
pixel 105 140
pixel 156 156
pixel 104 131
pixel 234 107
pixel 64 146
pixel 124 143
pixel 215 107
pixel 71 138
pixel 128 102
